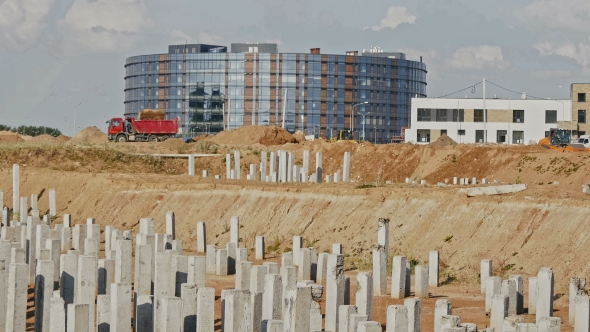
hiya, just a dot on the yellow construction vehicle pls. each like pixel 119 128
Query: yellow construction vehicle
pixel 559 139
pixel 344 136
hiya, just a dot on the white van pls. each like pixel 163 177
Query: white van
pixel 584 139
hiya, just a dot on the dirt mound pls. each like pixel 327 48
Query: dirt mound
pixel 10 137
pixel 299 136
pixel 173 142
pixel 89 135
pixel 62 138
pixel 44 139
pixel 248 135
pixel 200 137
pixel 443 140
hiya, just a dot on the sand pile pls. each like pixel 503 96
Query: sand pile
pixel 10 137
pixel 248 135
pixel 443 140
pixel 62 138
pixel 200 137
pixel 173 142
pixel 299 136
pixel 44 139
pixel 90 135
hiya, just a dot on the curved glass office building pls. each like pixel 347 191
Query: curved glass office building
pixel 209 89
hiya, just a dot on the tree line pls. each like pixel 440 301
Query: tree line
pixel 31 130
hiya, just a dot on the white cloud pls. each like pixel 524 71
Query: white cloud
pixel 568 14
pixel 103 25
pixel 579 52
pixel 477 57
pixel 395 16
pixel 22 22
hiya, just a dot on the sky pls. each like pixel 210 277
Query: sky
pixel 62 61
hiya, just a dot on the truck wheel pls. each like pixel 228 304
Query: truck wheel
pixel 153 138
pixel 121 139
pixel 163 138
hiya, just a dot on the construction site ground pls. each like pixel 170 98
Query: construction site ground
pixel 543 226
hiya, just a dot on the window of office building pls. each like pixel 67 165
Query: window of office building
pixel 458 115
pixel 423 135
pixel 501 136
pixel 423 114
pixel 479 136
pixel 518 116
pixel 581 97
pixel 461 132
pixel 550 116
pixel 441 115
pixel 477 115
pixel 443 132
pixel 518 137
pixel 581 116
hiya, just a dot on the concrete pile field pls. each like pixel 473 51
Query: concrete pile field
pixel 143 276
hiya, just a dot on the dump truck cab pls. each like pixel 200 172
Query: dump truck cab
pixel 116 128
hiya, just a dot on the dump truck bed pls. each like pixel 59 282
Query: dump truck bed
pixel 156 127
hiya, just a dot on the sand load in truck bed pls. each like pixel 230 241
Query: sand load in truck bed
pixel 148 114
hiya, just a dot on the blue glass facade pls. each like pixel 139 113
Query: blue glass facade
pixel 212 91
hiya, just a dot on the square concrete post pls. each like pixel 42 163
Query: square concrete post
pixel 521 327
pixel 120 307
pixel 379 271
pixel 146 226
pixel 143 273
pixel 321 268
pixel 211 257
pixel 65 238
pixel 297 245
pixel 304 271
pixel 318 166
pixel 532 295
pixel 364 294
pixel 511 323
pixel 3 292
pixel 344 313
pixel 103 313
pixel 179 276
pixel 441 308
pixel 171 224
pixel 161 284
pixel 315 313
pixel 470 327
pixel 334 290
pixel 509 290
pixel 241 255
pixel 355 319
pixel 228 167
pixel 582 313
pixel 369 326
pixel 273 163
pixel 260 248
pixel 499 312
pixel 42 235
pixel 337 249
pixel 144 315
pixel 231 257
pixel 414 306
pixel 43 293
pixel 493 287
pixel 34 205
pixel 57 314
pixel 24 209
pixel 421 281
pixel 297 305
pixel 205 309
pixel 191 165
pixel 397 318
pixel 398 277
pixel 576 287
pixel 15 188
pixel 106 276
pixel 257 276
pixel 243 275
pixel 255 311
pixel 16 299
pixel 485 272
pixel 544 294
pixel 221 263
pixel 86 286
pixel 287 259
pixel 52 203
pixel 201 237
pixel 196 270
pixel 235 310
pixel 263 158
pixel 78 236
pixel 78 318
pixel 54 247
pixel 272 267
pixel 519 293
pixel 289 277
pixel 383 234
pixel 189 307
pixel 408 278
pixel 290 163
pixel 549 324
pixel 123 262
pixel 68 273
pixel 5 216
pixel 305 166
pixel 237 164
pixel 346 167
pixel 451 323
pixel 433 268
pixel 272 300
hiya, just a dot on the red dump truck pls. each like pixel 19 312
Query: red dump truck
pixel 131 130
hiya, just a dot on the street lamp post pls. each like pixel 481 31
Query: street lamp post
pixel 352 112
pixel 364 114
pixel 75 112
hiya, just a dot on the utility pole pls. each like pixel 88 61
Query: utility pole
pixel 485 114
pixel 284 106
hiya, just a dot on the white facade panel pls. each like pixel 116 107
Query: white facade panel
pixel 534 126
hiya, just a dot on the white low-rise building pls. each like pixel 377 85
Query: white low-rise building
pixel 520 121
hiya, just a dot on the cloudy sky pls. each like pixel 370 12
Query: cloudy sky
pixel 55 54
